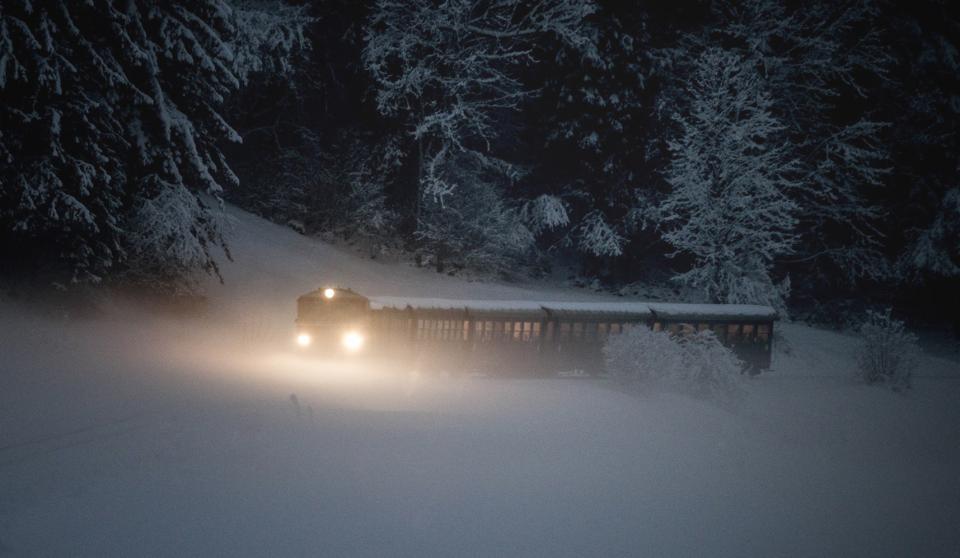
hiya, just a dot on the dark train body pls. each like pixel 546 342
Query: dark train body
pixel 522 336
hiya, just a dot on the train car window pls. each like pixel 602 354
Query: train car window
pixel 602 329
pixel 548 333
pixel 673 329
pixel 497 330
pixel 592 328
pixel 720 330
pixel 733 332
pixel 615 328
pixel 763 332
pixel 577 330
pixel 748 332
pixel 688 329
pixel 564 330
pixel 536 330
pixel 657 326
pixel 703 327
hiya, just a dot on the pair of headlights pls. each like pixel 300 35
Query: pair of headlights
pixel 352 341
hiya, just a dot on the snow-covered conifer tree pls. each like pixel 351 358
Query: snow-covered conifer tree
pixel 449 70
pixel 597 126
pixel 813 58
pixel 729 209
pixel 110 128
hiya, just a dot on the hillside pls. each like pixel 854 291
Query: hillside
pixel 141 434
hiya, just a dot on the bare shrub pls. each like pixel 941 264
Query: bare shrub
pixel 696 364
pixel 889 353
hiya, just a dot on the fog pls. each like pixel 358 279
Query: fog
pixel 140 432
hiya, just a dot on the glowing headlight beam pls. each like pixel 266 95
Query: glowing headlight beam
pixel 352 341
pixel 329 293
pixel 304 339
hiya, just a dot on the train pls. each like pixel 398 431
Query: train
pixel 513 336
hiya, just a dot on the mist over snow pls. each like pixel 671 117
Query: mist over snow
pixel 758 181
pixel 141 432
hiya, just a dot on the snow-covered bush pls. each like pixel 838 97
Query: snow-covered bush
pixel 889 353
pixel 597 237
pixel 545 213
pixel 696 364
pixel 163 251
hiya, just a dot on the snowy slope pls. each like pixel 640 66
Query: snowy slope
pixel 135 434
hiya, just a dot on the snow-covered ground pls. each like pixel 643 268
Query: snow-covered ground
pixel 146 434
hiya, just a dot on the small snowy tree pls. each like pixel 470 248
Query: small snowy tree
pixel 889 353
pixel 696 364
pixel 729 207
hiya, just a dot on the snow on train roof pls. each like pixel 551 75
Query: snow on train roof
pixel 661 309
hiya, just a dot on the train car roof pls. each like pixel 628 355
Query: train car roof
pixel 565 308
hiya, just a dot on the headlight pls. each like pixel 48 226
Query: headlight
pixel 352 341
pixel 329 293
pixel 304 339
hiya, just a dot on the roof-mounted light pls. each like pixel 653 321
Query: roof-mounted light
pixel 329 293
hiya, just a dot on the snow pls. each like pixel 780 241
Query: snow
pixel 141 432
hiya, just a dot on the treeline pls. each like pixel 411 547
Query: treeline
pixel 759 151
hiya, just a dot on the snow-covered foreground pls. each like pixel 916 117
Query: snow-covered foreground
pixel 138 434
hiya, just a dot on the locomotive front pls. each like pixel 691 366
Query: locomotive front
pixel 333 321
